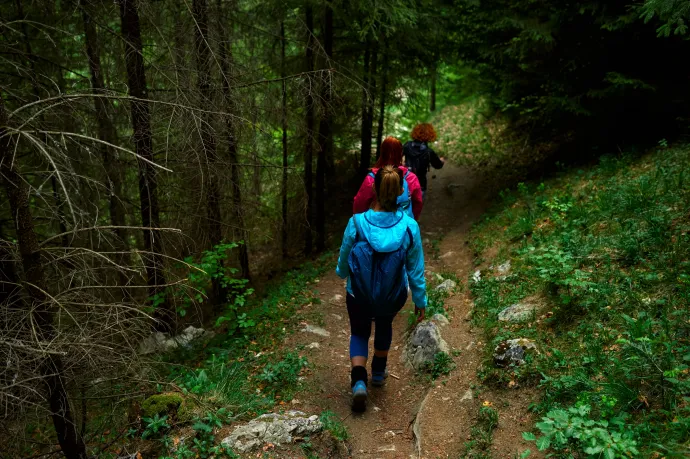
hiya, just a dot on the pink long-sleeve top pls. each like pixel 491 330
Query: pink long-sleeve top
pixel 366 195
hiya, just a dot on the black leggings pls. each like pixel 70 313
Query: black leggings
pixel 360 329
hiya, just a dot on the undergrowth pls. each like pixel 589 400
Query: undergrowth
pixel 606 251
pixel 234 377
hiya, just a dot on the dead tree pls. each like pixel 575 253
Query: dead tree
pixel 309 143
pixel 108 135
pixel 284 121
pixel 143 144
pixel 214 217
pixel 230 132
pixel 41 309
pixel 325 133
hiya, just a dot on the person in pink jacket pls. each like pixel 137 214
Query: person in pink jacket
pixel 391 155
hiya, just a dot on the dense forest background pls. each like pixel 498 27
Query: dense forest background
pixel 156 155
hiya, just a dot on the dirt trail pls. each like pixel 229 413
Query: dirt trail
pixel 443 413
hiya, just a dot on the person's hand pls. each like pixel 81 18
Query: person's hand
pixel 420 313
pixel 443 159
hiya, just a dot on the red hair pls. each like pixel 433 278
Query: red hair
pixel 391 153
pixel 424 132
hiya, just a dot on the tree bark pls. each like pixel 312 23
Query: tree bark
pixel 432 104
pixel 62 223
pixel 41 311
pixel 284 120
pixel 143 144
pixel 106 133
pixel 365 162
pixel 226 66
pixel 214 218
pixel 309 148
pixel 382 103
pixel 325 132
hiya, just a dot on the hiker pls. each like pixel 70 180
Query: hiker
pixel 411 199
pixel 419 156
pixel 380 256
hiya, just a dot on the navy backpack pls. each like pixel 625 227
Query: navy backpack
pixel 404 200
pixel 378 279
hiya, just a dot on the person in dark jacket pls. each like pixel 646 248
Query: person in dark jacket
pixel 419 156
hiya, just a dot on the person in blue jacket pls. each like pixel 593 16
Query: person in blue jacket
pixel 381 235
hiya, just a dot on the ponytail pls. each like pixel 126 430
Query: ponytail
pixel 388 185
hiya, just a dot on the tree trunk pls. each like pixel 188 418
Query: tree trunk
pixel 226 66
pixel 106 133
pixel 71 444
pixel 382 103
pixel 309 149
pixel 62 223
pixel 372 92
pixel 325 132
pixel 365 161
pixel 432 104
pixel 143 144
pixel 284 120
pixel 214 218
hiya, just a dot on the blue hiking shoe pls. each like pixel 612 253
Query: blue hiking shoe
pixel 359 397
pixel 378 378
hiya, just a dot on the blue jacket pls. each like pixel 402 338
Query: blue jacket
pixel 386 231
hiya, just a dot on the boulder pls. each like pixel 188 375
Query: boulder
pixel 161 342
pixel 512 352
pixel 446 286
pixel 277 429
pixel 423 345
pixel 440 320
pixel 519 312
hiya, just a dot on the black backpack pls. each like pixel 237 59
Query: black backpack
pixel 416 157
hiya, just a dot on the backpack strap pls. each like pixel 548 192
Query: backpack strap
pixel 409 233
pixel 371 174
pixel 357 230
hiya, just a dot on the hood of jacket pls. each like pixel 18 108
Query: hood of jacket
pixel 385 231
pixel 404 170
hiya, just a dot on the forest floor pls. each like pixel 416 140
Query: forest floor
pixel 413 415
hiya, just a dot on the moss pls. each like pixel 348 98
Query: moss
pixel 169 403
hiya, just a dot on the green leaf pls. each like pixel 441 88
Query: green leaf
pixel 543 443
pixel 529 436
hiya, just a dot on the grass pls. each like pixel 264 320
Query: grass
pixel 238 375
pixel 481 434
pixel 608 250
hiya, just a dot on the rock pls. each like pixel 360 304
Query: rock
pixel 477 276
pixel 160 342
pixel 519 312
pixel 336 299
pixel 389 434
pixel 513 352
pixel 447 254
pixel 423 345
pixel 440 320
pixel 277 429
pixel 337 316
pixel 504 268
pixel 316 330
pixel 314 346
pixel 446 286
pixel 383 449
pixel 168 403
pixel 467 395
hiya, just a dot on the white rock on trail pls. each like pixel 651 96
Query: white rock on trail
pixel 336 298
pixel 446 286
pixel 477 276
pixel 423 345
pixel 277 429
pixel 440 320
pixel 314 345
pixel 447 254
pixel 316 330
pixel 467 395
